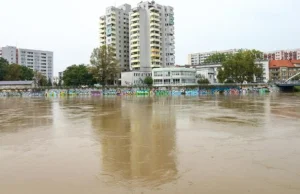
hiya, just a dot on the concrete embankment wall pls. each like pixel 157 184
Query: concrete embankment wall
pixel 162 91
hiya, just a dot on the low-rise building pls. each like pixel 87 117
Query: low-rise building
pixel 174 76
pixel 134 78
pixel 293 54
pixel 16 84
pixel 37 60
pixel 266 74
pixel 199 58
pixel 209 72
pixel 281 70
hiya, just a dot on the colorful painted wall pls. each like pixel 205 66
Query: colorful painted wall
pixel 136 91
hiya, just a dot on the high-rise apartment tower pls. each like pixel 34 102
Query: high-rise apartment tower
pixel 114 32
pixel 152 43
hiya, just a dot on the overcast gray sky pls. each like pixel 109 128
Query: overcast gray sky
pixel 69 28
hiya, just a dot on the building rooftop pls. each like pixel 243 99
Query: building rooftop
pixel 283 63
pixel 174 69
pixel 283 50
pixel 16 83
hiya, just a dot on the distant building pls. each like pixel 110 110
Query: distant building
pixel 174 76
pixel 283 55
pixel 152 39
pixel 16 84
pixel 199 58
pixel 60 74
pixel 209 72
pixel 281 70
pixel 114 31
pixel 37 60
pixel 10 53
pixel 60 77
pixel 143 37
pixel 266 71
pixel 134 78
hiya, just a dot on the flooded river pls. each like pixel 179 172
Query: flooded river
pixel 143 145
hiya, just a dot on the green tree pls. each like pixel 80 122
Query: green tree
pixel 43 81
pixel 3 68
pixel 40 79
pixel 241 67
pixel 105 65
pixel 49 83
pixel 216 58
pixel 203 81
pixel 148 81
pixel 13 73
pixel 77 75
pixel 26 73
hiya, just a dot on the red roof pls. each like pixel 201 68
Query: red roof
pixel 296 61
pixel 282 63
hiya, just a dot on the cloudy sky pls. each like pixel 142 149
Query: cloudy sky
pixel 70 27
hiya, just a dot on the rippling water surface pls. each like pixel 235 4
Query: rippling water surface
pixel 168 145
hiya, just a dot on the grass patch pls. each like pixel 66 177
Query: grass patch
pixel 297 88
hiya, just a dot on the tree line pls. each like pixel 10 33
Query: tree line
pixel 15 72
pixel 104 69
pixel 239 67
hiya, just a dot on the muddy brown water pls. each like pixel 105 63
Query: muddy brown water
pixel 165 145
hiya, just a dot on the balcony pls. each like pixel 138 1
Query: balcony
pixel 154 44
pixel 154 19
pixel 153 33
pixel 135 24
pixel 134 14
pixel 102 22
pixel 155 60
pixel 154 65
pixel 135 19
pixel 152 13
pixel 102 35
pixel 155 54
pixel 134 50
pixel 135 44
pixel 135 54
pixel 155 40
pixel 134 30
pixel 135 61
pixel 153 50
pixel 134 37
pixel 113 15
pixel 155 26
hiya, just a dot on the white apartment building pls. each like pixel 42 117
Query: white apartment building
pixel 10 53
pixel 114 31
pixel 134 78
pixel 174 76
pixel 199 58
pixel 37 60
pixel 210 71
pixel 293 54
pixel 152 43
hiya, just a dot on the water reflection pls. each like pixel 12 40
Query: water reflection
pixel 23 114
pixel 138 140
